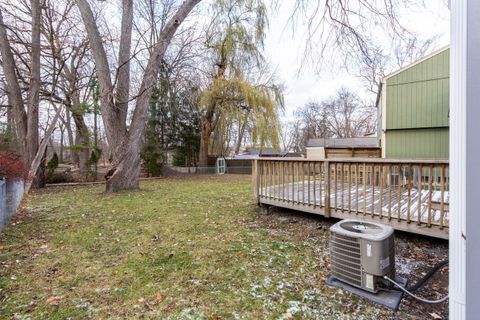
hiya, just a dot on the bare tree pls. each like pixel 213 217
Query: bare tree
pixel 291 136
pixel 25 112
pixel 347 116
pixel 126 143
pixel 70 70
pixel 343 116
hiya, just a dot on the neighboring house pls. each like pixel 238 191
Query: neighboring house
pixel 413 109
pixel 361 147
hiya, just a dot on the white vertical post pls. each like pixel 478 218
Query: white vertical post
pixel 464 255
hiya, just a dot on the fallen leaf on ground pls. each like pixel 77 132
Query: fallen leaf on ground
pixel 435 315
pixel 2 246
pixel 159 297
pixel 54 300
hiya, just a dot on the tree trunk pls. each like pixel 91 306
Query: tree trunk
pixel 125 166
pixel 13 90
pixel 82 141
pixel 40 153
pixel 102 70
pixel 68 124
pixel 62 133
pixel 127 171
pixel 204 143
pixel 241 133
pixel 40 179
pixel 34 89
pixel 205 134
pixel 123 77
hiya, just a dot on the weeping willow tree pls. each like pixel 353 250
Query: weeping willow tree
pixel 248 106
pixel 235 40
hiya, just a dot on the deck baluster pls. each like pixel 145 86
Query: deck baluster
pixel 309 174
pixel 372 182
pixel 349 182
pixel 419 209
pixel 399 182
pixel 303 182
pixel 327 188
pixel 342 178
pixel 430 191
pixel 321 178
pixel 409 196
pixel 442 194
pixel 381 189
pixel 390 182
pixel 356 187
pixel 364 188
pixel 335 186
pixel 314 164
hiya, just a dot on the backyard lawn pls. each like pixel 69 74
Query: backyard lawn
pixel 186 248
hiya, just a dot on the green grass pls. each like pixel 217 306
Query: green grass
pixel 196 248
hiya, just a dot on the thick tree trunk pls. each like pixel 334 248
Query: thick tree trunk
pixel 14 92
pixel 82 140
pixel 123 76
pixel 34 89
pixel 204 144
pixel 26 124
pixel 125 170
pixel 206 132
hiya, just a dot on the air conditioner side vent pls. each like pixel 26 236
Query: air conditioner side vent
pixel 345 258
pixel 362 253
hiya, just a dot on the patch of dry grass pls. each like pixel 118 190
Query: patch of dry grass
pixel 192 248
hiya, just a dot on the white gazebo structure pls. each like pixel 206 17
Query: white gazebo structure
pixel 464 255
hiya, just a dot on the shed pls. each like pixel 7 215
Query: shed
pixel 413 109
pixel 360 147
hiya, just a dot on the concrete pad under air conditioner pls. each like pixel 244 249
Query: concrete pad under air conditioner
pixel 390 299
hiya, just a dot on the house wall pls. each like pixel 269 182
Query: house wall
pixel 417 110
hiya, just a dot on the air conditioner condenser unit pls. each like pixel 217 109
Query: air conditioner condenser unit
pixel 362 253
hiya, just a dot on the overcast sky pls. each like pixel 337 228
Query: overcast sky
pixel 284 51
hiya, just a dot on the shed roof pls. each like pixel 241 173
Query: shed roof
pixel 428 56
pixel 359 142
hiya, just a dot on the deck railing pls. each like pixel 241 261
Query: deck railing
pixel 407 191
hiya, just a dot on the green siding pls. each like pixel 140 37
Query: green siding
pixel 417 144
pixel 417 107
pixel 418 96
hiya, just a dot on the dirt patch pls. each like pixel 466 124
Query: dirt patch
pixel 415 255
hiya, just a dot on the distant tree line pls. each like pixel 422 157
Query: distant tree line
pixel 130 90
pixel 344 115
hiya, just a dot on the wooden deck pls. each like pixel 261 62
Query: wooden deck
pixel 409 196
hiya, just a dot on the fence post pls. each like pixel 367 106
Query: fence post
pixel 327 188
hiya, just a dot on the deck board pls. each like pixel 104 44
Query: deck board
pixel 290 192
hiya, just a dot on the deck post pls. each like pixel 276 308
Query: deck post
pixel 327 188
pixel 464 255
pixel 255 180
